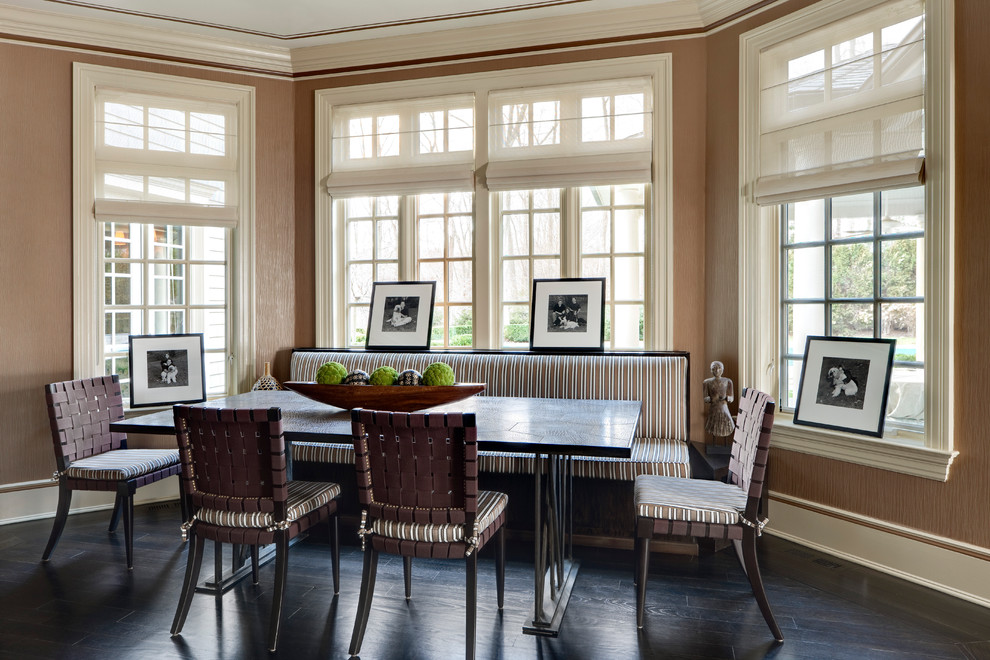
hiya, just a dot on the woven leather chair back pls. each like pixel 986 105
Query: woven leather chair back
pixel 417 467
pixel 80 412
pixel 233 459
pixel 751 442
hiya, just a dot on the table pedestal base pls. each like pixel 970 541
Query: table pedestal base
pixel 548 625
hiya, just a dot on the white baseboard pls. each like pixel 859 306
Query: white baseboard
pixel 36 500
pixel 952 567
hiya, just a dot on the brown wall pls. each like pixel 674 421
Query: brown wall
pixel 35 248
pixel 944 509
pixel 36 235
pixel 688 58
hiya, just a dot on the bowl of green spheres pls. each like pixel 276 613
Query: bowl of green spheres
pixel 385 388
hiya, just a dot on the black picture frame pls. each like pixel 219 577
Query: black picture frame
pixel 567 314
pixel 166 369
pixel 401 315
pixel 844 384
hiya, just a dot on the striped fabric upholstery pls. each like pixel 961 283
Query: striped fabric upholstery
pixel 303 497
pixel 323 452
pixel 690 500
pixel 122 464
pixel 657 380
pixel 491 505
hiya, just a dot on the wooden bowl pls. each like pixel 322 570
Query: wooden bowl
pixel 400 398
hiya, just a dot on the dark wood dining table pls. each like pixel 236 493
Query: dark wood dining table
pixel 553 430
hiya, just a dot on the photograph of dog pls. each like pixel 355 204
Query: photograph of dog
pixel 843 382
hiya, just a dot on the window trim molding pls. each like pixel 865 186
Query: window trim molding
pixel 87 287
pixel 659 278
pixel 758 254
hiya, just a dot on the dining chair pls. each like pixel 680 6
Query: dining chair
pixel 417 476
pixel 234 474
pixel 88 456
pixel 702 508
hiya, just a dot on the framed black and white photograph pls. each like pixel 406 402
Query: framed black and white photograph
pixel 401 315
pixel 844 384
pixel 568 315
pixel 166 369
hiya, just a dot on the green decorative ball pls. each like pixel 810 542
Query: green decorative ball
pixel 383 376
pixel 331 373
pixel 438 373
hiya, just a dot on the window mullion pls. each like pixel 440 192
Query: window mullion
pixel 570 233
pixel 408 239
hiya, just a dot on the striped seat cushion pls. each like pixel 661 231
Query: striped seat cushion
pixel 688 500
pixel 122 464
pixel 506 462
pixel 491 504
pixel 649 456
pixel 323 452
pixel 304 496
pixel 656 456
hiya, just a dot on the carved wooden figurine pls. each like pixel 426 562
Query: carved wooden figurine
pixel 718 394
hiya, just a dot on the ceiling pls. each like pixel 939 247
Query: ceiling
pixel 297 23
pixel 336 37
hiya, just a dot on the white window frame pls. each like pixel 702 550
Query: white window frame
pixel 329 244
pixel 87 240
pixel 928 454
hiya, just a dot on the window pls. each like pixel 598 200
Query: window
pixel 164 209
pixel 606 224
pixel 493 181
pixel 851 269
pixel 440 225
pixel 846 164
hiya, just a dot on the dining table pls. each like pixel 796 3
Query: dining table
pixel 554 431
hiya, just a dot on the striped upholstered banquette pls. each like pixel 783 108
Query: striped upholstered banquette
pixel 659 380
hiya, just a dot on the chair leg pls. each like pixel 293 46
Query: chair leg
pixel 335 552
pixel 636 543
pixel 127 507
pixel 115 516
pixel 218 568
pixel 756 581
pixel 61 515
pixel 737 545
pixel 281 572
pixel 500 566
pixel 642 571
pixel 364 602
pixel 407 575
pixel 193 564
pixel 472 606
pixel 254 564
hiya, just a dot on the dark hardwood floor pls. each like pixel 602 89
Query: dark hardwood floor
pixel 84 603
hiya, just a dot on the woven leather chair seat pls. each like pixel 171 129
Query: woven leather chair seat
pixel 691 500
pixel 303 497
pixel 88 456
pixel 122 464
pixel 728 510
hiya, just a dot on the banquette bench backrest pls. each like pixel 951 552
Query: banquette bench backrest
pixel 659 380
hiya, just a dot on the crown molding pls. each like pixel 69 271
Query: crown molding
pixel 713 11
pixel 590 29
pixel 112 37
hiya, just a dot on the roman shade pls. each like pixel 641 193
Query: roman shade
pixel 842 107
pixel 592 133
